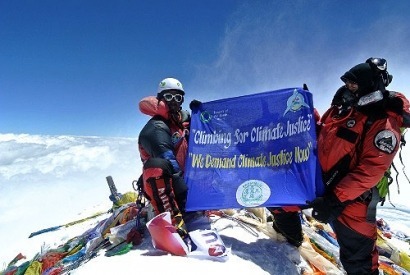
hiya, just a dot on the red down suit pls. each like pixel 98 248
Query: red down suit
pixel 368 152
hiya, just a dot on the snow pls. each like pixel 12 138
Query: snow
pixel 48 181
pixel 249 255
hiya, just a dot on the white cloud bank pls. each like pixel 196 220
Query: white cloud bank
pixel 45 180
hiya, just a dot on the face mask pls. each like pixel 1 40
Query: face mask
pixel 344 98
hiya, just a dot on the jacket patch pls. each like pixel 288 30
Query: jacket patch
pixel 385 141
pixel 176 137
pixel 347 134
pixel 350 123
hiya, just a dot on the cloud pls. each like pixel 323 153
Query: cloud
pixel 266 47
pixel 275 45
pixel 45 180
pixel 44 157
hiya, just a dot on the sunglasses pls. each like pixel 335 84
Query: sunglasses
pixel 177 97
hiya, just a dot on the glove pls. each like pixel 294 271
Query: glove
pixel 326 209
pixel 195 104
pixel 179 174
pixel 305 87
pixel 321 210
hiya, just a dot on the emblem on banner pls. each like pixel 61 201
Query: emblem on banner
pixel 205 117
pixel 295 102
pixel 252 193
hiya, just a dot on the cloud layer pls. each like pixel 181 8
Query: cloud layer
pixel 46 179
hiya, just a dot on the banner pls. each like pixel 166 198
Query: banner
pixel 251 151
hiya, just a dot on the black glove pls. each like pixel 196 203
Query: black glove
pixel 195 104
pixel 179 174
pixel 326 209
pixel 305 87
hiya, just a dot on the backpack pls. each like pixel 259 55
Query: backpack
pixel 383 186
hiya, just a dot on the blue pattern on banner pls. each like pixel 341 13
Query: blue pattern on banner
pixel 251 151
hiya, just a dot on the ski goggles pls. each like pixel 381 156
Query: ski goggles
pixel 177 97
pixel 379 63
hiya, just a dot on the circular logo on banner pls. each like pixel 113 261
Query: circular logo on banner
pixel 205 117
pixel 252 193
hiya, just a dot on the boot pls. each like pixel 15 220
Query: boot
pixel 180 225
pixel 289 225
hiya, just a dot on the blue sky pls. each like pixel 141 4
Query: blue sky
pixel 80 67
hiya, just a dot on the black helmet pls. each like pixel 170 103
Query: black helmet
pixel 382 78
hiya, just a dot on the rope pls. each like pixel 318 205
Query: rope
pixel 240 223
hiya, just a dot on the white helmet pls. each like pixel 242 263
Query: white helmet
pixel 170 84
